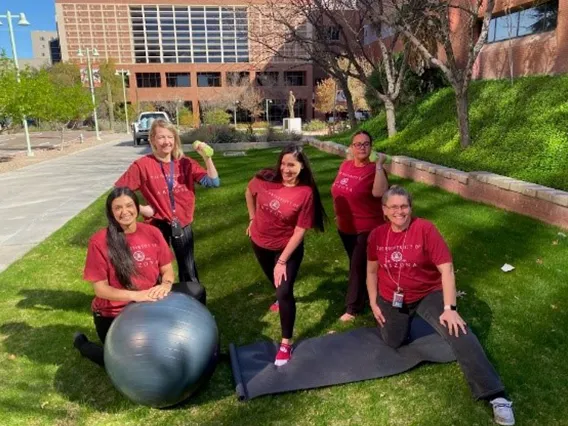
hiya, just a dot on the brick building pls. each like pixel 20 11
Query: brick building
pixel 185 50
pixel 525 38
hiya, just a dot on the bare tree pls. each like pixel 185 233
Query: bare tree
pixel 329 33
pixel 415 18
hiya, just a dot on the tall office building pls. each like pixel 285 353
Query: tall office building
pixel 189 50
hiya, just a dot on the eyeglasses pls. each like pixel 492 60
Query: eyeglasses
pixel 396 208
pixel 362 145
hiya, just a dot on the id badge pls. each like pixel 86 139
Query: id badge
pixel 177 230
pixel 397 299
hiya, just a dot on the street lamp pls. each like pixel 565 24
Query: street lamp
pixel 24 23
pixel 267 101
pixel 91 51
pixel 123 73
pixel 235 113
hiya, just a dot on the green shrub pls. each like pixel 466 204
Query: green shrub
pixel 214 134
pixel 517 130
pixel 315 125
pixel 186 117
pixel 216 116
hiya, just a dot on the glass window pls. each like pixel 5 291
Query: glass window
pixel 269 78
pixel 148 79
pixel 506 26
pixel 178 79
pixel 295 78
pixel 237 78
pixel 209 79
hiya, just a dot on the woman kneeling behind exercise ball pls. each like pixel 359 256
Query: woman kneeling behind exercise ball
pixel 410 271
pixel 127 261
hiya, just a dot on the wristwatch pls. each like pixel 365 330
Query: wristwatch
pixel 450 308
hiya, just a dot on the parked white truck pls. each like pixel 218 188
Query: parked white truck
pixel 141 128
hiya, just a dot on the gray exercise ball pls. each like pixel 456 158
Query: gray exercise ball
pixel 159 353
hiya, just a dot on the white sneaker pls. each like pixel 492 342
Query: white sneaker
pixel 503 412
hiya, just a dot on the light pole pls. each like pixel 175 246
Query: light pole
pixel 24 23
pixel 235 113
pixel 268 101
pixel 95 53
pixel 122 74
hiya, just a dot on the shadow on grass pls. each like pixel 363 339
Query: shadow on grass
pixel 46 300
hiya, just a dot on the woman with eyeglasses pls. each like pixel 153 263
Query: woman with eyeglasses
pixel 356 193
pixel 410 272
pixel 283 203
pixel 166 178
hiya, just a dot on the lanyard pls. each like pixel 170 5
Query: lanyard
pixel 399 254
pixel 170 183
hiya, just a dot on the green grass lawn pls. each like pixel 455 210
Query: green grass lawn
pixel 520 317
pixel 517 130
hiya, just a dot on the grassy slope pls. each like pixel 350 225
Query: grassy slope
pixel 521 319
pixel 518 130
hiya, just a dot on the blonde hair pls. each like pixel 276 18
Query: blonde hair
pixel 177 152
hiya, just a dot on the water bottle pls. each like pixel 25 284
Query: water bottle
pixel 206 148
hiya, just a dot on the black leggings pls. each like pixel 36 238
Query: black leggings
pixel 183 249
pixel 356 248
pixel 95 352
pixel 285 292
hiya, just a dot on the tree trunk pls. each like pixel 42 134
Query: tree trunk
pixel 349 99
pixel 462 107
pixel 110 106
pixel 391 117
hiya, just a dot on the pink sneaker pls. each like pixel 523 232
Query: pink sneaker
pixel 284 355
pixel 275 307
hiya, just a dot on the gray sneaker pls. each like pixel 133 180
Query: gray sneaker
pixel 503 412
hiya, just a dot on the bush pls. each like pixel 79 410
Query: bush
pixel 228 134
pixel 186 117
pixel 216 116
pixel 315 125
pixel 255 125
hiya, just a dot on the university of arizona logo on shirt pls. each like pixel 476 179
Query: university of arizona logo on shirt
pixel 274 204
pixel 138 256
pixel 344 181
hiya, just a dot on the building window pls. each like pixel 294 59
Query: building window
pixel 238 78
pixel 525 22
pixel 209 79
pixel 178 79
pixel 295 78
pixel 332 33
pixel 269 78
pixel 148 79
pixel 182 34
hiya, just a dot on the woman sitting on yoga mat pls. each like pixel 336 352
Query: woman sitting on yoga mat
pixel 357 192
pixel 126 262
pixel 409 272
pixel 282 204
pixel 166 178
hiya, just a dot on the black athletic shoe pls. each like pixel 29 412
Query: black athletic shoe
pixel 79 339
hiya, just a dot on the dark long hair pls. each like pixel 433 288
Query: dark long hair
pixel 118 250
pixel 306 177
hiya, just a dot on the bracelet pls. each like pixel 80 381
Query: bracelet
pixel 281 262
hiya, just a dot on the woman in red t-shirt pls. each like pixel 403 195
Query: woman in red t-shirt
pixel 166 179
pixel 357 192
pixel 409 272
pixel 126 262
pixel 282 204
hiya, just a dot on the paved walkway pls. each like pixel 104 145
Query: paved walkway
pixel 37 200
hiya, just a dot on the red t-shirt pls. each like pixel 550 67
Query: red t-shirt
pixel 356 209
pixel 150 252
pixel 414 253
pixel 146 175
pixel 279 209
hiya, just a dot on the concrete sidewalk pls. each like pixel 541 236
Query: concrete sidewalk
pixel 37 200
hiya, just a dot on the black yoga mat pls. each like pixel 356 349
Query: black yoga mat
pixel 333 359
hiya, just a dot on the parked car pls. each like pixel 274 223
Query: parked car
pixel 141 128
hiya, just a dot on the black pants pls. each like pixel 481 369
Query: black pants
pixel 356 248
pixel 285 292
pixel 95 352
pixel 482 378
pixel 183 249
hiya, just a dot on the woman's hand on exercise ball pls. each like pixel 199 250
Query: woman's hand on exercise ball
pixel 143 296
pixel 160 291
